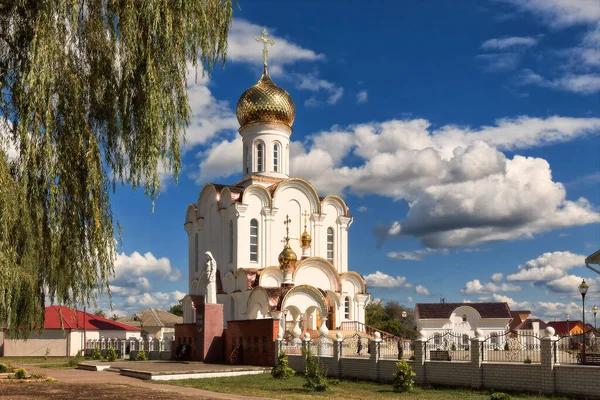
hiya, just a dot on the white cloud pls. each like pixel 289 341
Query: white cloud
pixel 563 260
pixel 133 271
pixel 500 61
pixel 497 277
pixel 223 159
pixel 410 299
pixel 363 209
pixel 476 287
pixel 379 279
pixel 415 255
pixel 547 273
pixel 583 83
pixel 561 13
pixel 508 42
pixel 161 300
pixel 422 290
pixel 362 97
pixel 515 305
pixel 313 83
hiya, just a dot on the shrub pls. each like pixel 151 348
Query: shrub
pixel 3 368
pixel 96 354
pixel 403 377
pixel 314 372
pixel 500 396
pixel 412 358
pixel 506 348
pixel 527 360
pixel 47 354
pixel 453 347
pixel 141 356
pixel 20 373
pixel 111 355
pixel 282 370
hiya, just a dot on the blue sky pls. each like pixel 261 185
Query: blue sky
pixel 464 136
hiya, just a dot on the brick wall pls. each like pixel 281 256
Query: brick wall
pixel 258 337
pixel 577 379
pixel 454 373
pixel 513 376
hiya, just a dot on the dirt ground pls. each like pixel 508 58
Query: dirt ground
pixel 80 391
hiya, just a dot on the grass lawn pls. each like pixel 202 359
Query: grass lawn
pixel 49 362
pixel 265 386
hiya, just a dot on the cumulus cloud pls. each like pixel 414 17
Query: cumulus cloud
pixel 548 267
pixel 577 83
pixel 313 83
pixel 379 279
pixel 362 97
pixel 497 277
pixel 132 271
pixel 363 209
pixel 422 290
pixel 513 304
pixel 499 61
pixel 508 42
pixel 476 287
pixel 157 299
pixel 416 255
pixel 561 13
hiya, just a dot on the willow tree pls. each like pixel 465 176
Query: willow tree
pixel 93 95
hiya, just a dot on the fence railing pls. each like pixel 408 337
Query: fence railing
pixel 577 349
pixel 355 346
pixel 369 330
pixel 125 346
pixel 396 348
pixel 448 346
pixel 511 347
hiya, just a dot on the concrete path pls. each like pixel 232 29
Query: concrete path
pixel 103 377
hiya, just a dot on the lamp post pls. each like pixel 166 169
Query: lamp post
pixel 595 311
pixel 583 288
pixel 568 331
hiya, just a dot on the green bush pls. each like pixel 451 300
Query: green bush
pixel 141 356
pixel 500 396
pixel 314 372
pixel 3 368
pixel 96 354
pixel 527 360
pixel 20 373
pixel 453 347
pixel 506 347
pixel 111 355
pixel 282 370
pixel 403 377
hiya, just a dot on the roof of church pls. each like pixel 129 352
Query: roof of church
pixel 59 317
pixel 444 310
pixel 152 317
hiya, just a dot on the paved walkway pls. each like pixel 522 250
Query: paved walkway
pixel 103 377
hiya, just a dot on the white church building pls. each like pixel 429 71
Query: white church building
pixel 281 250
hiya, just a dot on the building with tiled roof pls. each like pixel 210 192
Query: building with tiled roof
pixel 462 319
pixel 566 328
pixel 65 332
pixel 153 322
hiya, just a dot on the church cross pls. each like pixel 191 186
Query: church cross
pixel 305 214
pixel 265 42
pixel 287 227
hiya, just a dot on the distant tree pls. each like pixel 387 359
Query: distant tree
pixel 177 310
pixel 100 313
pixel 93 93
pixel 388 318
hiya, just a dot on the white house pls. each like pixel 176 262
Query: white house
pixel 281 249
pixel 462 319
pixel 65 332
pixel 153 322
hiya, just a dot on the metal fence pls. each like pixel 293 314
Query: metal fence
pixel 577 349
pixel 448 347
pixel 395 348
pixel 511 347
pixel 355 346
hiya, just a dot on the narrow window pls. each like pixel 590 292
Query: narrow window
pixel 233 343
pixel 276 157
pixel 330 245
pixel 259 157
pixel 230 241
pixel 245 160
pixel 254 240
pixel 256 344
pixel 196 252
pixel 347 308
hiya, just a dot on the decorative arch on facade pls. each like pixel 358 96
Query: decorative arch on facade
pixel 190 214
pixel 355 279
pixel 471 314
pixel 225 198
pixel 304 297
pixel 207 196
pixel 321 269
pixel 229 282
pixel 337 202
pixel 241 280
pixel 271 277
pixel 258 191
pixel 258 303
pixel 189 313
pixel 304 187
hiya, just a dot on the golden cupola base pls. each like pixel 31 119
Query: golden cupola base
pixel 305 239
pixel 287 258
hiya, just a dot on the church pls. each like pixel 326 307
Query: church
pixel 279 250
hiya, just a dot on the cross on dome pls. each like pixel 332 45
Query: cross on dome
pixel 287 227
pixel 265 42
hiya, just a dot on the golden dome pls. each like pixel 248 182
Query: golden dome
pixel 287 258
pixel 265 102
pixel 305 240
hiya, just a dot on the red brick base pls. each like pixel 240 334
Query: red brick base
pixel 256 338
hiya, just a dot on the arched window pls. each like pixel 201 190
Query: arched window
pixel 276 157
pixel 196 252
pixel 254 240
pixel 437 339
pixel 230 241
pixel 330 245
pixel 464 317
pixel 347 308
pixel 246 169
pixel 259 157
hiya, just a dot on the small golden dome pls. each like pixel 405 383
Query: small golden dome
pixel 305 240
pixel 265 102
pixel 287 257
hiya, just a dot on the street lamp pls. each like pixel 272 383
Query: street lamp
pixel 568 331
pixel 595 311
pixel 583 288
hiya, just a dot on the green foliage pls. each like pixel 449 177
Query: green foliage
pixel 500 396
pixel 403 377
pixel 96 353
pixel 141 356
pixel 527 360
pixel 100 313
pixel 453 347
pixel 506 347
pixel 412 358
pixel 72 362
pixel 3 368
pixel 111 355
pixel 389 318
pixel 177 310
pixel 314 372
pixel 282 370
pixel 20 373
pixel 94 93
